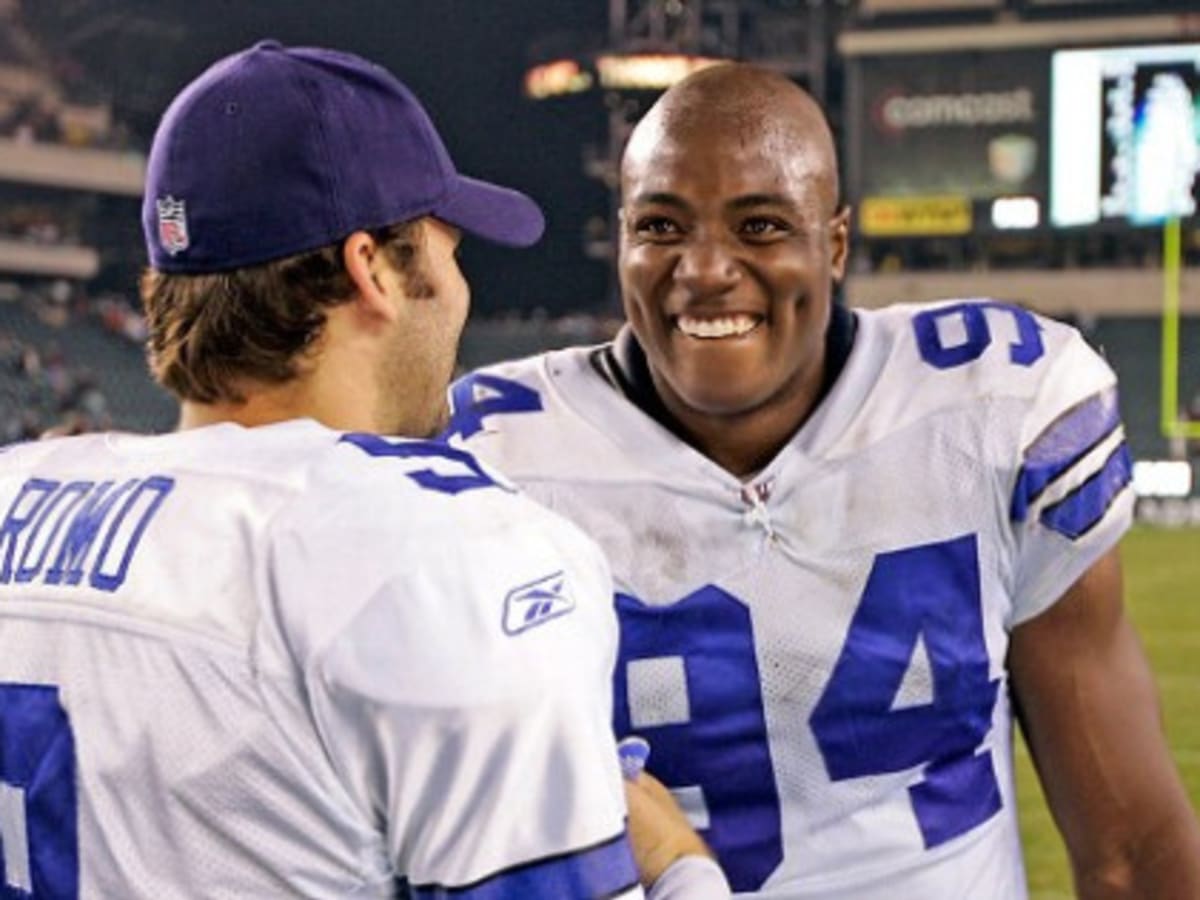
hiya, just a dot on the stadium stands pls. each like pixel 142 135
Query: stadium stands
pixel 62 369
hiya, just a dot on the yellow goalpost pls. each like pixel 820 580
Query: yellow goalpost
pixel 1174 425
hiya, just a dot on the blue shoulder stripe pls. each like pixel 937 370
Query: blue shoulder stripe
pixel 1082 509
pixel 1063 443
pixel 599 872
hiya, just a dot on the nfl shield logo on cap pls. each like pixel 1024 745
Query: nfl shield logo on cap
pixel 172 225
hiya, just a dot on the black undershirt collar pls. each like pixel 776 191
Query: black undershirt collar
pixel 623 364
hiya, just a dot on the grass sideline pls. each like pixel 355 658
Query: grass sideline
pixel 1162 595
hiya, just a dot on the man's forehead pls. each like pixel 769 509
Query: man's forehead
pixel 733 133
pixel 765 166
pixel 721 158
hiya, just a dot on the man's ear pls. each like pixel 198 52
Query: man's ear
pixel 365 263
pixel 839 242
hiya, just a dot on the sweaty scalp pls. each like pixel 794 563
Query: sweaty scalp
pixel 756 105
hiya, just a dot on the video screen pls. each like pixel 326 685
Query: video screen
pixel 1125 134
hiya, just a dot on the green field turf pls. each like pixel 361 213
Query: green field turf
pixel 1162 593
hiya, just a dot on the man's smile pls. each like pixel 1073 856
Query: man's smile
pixel 732 325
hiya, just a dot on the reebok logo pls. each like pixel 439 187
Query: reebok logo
pixel 536 603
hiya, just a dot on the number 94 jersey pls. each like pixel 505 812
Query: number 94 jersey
pixel 816 655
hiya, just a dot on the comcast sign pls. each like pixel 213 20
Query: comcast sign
pixel 900 112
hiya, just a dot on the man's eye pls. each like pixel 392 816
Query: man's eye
pixel 762 227
pixel 656 226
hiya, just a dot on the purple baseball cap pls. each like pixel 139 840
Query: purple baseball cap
pixel 277 150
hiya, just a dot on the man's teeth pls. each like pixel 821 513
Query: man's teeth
pixel 725 326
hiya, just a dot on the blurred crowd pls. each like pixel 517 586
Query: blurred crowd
pixel 41 391
pixel 39 224
pixel 45 382
pixel 47 118
pixel 48 98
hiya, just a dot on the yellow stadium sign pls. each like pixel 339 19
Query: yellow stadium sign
pixel 903 216
pixel 611 72
pixel 554 79
pixel 649 71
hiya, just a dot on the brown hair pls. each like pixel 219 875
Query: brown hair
pixel 210 332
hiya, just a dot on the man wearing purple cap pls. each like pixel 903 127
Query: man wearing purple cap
pixel 275 654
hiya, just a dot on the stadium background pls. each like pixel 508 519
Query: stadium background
pixel 974 166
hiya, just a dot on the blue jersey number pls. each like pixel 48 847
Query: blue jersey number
pixel 683 668
pixel 477 396
pixel 688 680
pixel 470 475
pixel 931 593
pixel 972 317
pixel 38 816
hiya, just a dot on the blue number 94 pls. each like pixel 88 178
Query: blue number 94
pixel 688 681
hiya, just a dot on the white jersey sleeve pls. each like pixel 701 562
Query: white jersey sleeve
pixel 1069 502
pixel 462 689
pixel 691 878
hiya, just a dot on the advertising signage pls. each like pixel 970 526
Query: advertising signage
pixel 951 143
pixel 1126 134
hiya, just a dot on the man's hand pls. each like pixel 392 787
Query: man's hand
pixel 658 830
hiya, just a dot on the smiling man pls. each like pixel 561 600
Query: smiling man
pixel 735 341
pixel 849 546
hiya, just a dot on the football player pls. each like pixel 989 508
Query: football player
pixel 275 654
pixel 849 546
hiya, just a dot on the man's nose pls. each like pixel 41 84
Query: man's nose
pixel 707 265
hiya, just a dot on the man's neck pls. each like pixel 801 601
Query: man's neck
pixel 248 415
pixel 742 444
pixel 299 398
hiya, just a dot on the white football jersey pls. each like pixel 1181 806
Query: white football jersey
pixel 816 654
pixel 288 662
